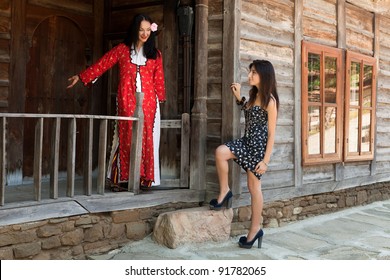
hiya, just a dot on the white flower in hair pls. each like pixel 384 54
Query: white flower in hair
pixel 153 27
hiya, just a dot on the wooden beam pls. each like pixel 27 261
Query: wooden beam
pixel 199 110
pixel 231 72
pixel 298 35
pixel 185 150
pixel 341 44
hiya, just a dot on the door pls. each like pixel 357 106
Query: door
pixel 59 49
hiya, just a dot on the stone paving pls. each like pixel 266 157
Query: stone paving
pixel 358 233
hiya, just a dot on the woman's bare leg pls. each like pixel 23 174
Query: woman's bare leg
pixel 222 157
pixel 254 186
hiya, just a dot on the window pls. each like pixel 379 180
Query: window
pixel 321 104
pixel 328 113
pixel 360 92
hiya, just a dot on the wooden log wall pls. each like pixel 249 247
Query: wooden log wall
pixel 383 97
pixel 267 32
pixel 5 42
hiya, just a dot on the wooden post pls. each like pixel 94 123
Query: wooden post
pixel 101 179
pixel 199 111
pixel 55 153
pixel 71 157
pixel 2 160
pixel 341 44
pixel 297 89
pixel 185 150
pixel 38 143
pixel 136 146
pixel 88 158
pixel 231 72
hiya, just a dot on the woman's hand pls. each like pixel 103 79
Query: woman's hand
pixel 73 80
pixel 236 89
pixel 261 167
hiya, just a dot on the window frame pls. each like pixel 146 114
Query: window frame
pixel 322 157
pixel 363 60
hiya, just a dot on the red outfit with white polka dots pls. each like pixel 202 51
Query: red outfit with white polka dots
pixel 152 79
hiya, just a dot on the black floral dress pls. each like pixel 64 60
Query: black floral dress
pixel 250 149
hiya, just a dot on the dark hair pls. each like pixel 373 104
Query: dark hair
pixel 267 84
pixel 131 39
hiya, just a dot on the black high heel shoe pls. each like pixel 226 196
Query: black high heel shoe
pixel 243 242
pixel 214 205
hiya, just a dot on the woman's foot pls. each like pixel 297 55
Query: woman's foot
pixel 216 204
pixel 244 243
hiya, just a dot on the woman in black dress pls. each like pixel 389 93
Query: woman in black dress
pixel 252 151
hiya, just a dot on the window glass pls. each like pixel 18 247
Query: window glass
pixel 366 131
pixel 330 130
pixel 314 130
pixel 313 78
pixel 367 86
pixel 353 139
pixel 354 83
pixel 330 79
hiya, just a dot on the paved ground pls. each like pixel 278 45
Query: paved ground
pixel 359 233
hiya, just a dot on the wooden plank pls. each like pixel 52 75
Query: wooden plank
pixel 38 143
pixel 171 123
pixel 88 158
pixel 2 160
pixel 101 177
pixel 25 214
pixel 71 159
pixel 136 146
pixel 185 151
pixel 55 153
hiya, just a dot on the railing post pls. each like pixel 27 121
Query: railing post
pixel 55 153
pixel 88 158
pixel 2 160
pixel 136 146
pixel 71 161
pixel 38 159
pixel 101 177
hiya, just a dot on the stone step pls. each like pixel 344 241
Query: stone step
pixel 193 225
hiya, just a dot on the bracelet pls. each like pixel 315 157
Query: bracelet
pixel 266 164
pixel 241 101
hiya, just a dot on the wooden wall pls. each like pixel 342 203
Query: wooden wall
pixel 5 39
pixel 273 30
pixel 383 97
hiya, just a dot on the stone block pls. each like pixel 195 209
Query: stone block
pixel 193 225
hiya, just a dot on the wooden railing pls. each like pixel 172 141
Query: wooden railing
pixel 135 152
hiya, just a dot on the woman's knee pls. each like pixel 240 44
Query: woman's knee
pixel 222 152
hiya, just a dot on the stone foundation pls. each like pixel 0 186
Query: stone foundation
pixel 78 236
pixel 279 213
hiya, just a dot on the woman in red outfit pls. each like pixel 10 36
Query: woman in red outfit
pixel 140 70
